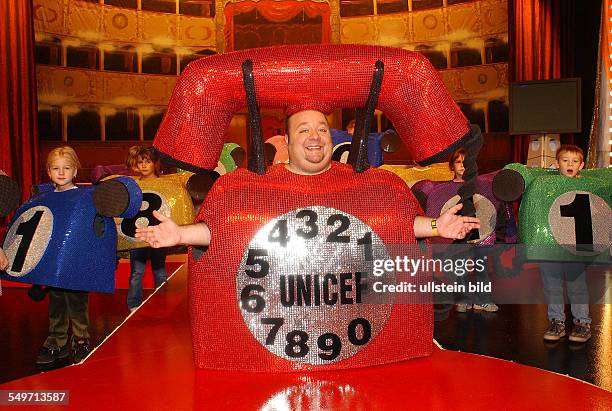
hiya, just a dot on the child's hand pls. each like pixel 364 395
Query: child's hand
pixel 165 234
pixel 451 225
pixel 4 262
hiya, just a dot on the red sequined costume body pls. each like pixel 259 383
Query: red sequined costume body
pixel 240 204
pixel 314 77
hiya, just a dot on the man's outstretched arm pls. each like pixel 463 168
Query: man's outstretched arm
pixel 448 225
pixel 167 233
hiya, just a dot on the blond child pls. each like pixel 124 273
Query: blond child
pixel 65 306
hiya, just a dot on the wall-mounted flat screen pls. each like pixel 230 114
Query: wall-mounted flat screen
pixel 545 106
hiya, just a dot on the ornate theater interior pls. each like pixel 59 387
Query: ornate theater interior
pixel 170 78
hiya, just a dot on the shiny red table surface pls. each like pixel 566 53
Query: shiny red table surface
pixel 147 364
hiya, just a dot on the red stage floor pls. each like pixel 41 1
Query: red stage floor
pixel 147 364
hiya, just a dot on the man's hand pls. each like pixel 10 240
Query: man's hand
pixel 4 262
pixel 167 233
pixel 456 227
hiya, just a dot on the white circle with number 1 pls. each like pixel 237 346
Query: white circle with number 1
pixel 303 284
pixel 27 240
pixel 578 214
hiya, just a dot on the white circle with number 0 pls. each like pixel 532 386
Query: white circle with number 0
pixel 301 285
pixel 27 240
pixel 583 210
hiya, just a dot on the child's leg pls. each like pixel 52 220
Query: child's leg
pixel 482 300
pixel 158 264
pixel 577 291
pixel 138 260
pixel 552 280
pixel 58 319
pixel 463 300
pixel 78 308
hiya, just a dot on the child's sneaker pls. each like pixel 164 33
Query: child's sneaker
pixel 80 350
pixel 461 308
pixel 556 331
pixel 48 355
pixel 581 332
pixel 490 307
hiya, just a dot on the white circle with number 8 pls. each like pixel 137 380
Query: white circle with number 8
pixel 151 201
pixel 27 240
pixel 304 285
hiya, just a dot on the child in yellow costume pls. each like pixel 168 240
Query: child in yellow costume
pixel 162 193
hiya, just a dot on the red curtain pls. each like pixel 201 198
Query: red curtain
pixel 18 135
pixel 278 12
pixel 541 46
pixel 607 39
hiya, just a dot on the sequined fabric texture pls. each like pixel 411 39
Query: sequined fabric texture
pixel 315 77
pixel 166 194
pixel 559 212
pixel 411 174
pixel 441 195
pixel 280 145
pixel 58 239
pixel 226 319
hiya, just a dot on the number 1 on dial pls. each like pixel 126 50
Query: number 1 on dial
pixel 26 230
pixel 580 211
pixel 366 242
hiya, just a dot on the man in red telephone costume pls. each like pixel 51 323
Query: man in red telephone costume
pixel 287 282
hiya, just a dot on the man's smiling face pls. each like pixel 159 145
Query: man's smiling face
pixel 309 143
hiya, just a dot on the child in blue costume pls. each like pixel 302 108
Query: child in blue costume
pixel 570 160
pixel 144 161
pixel 65 305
